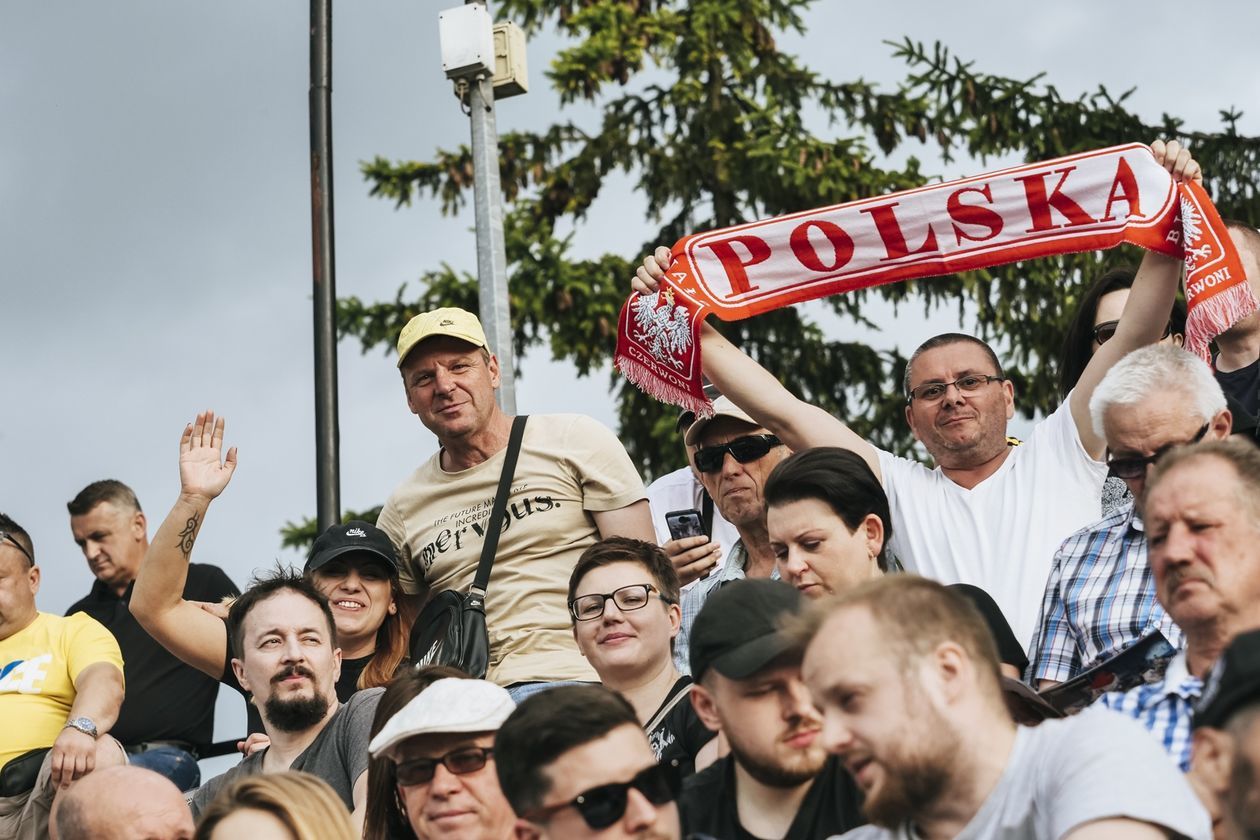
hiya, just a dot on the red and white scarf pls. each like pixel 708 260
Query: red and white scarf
pixel 1082 202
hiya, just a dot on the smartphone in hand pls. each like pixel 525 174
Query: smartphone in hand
pixel 684 523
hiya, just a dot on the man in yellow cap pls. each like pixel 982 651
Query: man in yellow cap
pixel 573 485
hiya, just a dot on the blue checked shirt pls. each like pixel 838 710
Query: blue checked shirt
pixel 1100 598
pixel 1163 707
pixel 694 598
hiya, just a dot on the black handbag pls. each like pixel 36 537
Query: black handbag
pixel 451 629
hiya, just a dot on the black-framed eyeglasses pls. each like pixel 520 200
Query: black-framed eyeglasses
pixel 744 450
pixel 420 771
pixel 930 392
pixel 602 806
pixel 1135 467
pixel 1104 331
pixel 5 535
pixel 627 598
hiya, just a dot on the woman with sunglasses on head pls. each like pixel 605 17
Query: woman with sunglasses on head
pixel 623 599
pixel 828 521
pixel 353 565
pixel 1093 325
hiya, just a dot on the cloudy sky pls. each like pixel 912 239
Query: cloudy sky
pixel 155 224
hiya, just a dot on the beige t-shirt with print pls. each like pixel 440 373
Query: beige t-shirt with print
pixel 569 465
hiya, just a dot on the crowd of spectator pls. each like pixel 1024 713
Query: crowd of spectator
pixel 795 635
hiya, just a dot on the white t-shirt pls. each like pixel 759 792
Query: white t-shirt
pixel 1002 534
pixel 1065 773
pixel 680 490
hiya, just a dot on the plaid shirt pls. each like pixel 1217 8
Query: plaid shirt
pixel 1100 598
pixel 693 599
pixel 1163 707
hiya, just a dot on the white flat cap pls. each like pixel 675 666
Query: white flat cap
pixel 448 705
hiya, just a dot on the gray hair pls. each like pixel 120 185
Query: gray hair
pixel 1157 369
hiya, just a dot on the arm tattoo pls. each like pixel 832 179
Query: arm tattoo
pixel 188 536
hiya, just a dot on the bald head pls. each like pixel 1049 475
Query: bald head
pixel 123 802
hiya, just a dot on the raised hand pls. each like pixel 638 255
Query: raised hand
pixel 202 469
pixel 647 276
pixel 1177 159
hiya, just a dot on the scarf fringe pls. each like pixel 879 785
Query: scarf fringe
pixel 646 380
pixel 1211 317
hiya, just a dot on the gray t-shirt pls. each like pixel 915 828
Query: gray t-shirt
pixel 1065 773
pixel 338 755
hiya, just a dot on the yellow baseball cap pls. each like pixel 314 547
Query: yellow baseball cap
pixel 457 323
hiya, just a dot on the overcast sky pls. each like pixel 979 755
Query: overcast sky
pixel 155 224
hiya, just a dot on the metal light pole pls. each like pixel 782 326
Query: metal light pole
pixel 327 435
pixel 487 61
pixel 496 318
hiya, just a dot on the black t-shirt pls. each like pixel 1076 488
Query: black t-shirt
pixel 1243 385
pixel 832 806
pixel 165 700
pixel 679 735
pixel 346 683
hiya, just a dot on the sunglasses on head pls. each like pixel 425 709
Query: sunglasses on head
pixel 602 806
pixel 1104 331
pixel 744 450
pixel 5 535
pixel 1135 467
pixel 420 771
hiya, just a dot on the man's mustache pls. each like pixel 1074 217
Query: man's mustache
pixel 293 671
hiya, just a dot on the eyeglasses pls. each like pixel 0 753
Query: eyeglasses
pixel 602 806
pixel 930 392
pixel 5 535
pixel 420 771
pixel 1135 467
pixel 627 598
pixel 744 450
pixel 1104 331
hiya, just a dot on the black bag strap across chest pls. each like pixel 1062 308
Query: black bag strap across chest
pixel 494 526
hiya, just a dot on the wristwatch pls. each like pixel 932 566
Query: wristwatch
pixel 84 725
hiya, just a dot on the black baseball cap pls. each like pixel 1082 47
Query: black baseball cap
pixel 1233 682
pixel 355 536
pixel 737 631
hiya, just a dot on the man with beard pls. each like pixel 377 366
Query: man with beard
pixel 906 676
pixel 574 763
pixel 778 780
pixel 1227 740
pixel 285 654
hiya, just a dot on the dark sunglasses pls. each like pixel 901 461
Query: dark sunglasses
pixel 1104 331
pixel 1136 467
pixel 420 771
pixel 744 450
pixel 602 806
pixel 5 535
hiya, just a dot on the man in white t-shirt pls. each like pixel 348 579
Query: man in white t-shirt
pixel 573 485
pixel 992 513
pixel 912 704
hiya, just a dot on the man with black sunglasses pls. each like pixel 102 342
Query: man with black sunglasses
pixel 733 457
pixel 1100 596
pixel 574 763
pixel 442 746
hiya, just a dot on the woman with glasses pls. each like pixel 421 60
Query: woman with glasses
pixel 828 521
pixel 1093 325
pixel 623 600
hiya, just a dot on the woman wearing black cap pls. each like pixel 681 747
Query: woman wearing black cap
pixel 352 564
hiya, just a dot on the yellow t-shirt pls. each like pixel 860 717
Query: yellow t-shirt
pixel 38 667
pixel 569 465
